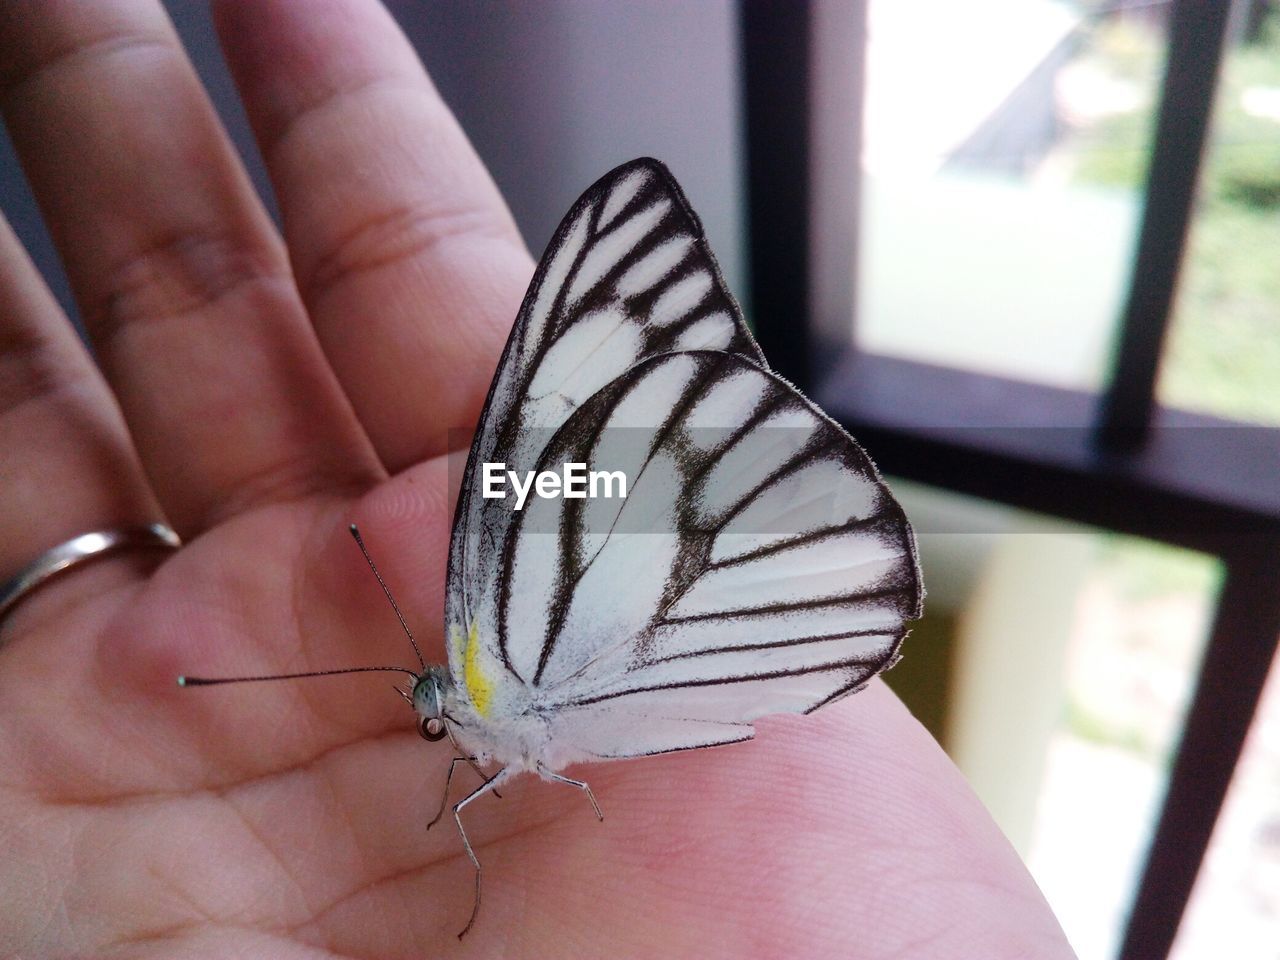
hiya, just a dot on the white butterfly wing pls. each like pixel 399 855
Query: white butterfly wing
pixel 628 275
pixel 757 564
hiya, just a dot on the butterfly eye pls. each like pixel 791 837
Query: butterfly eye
pixel 431 728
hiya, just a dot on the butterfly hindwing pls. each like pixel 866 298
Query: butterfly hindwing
pixel 757 565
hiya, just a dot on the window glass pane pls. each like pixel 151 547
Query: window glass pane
pixel 1064 659
pixel 1005 147
pixel 1141 621
pixel 1235 907
pixel 1224 349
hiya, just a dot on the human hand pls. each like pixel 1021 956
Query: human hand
pixel 260 393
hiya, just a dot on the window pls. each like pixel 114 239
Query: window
pixel 1063 426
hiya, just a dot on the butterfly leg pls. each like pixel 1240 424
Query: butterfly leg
pixel 580 784
pixel 487 787
pixel 474 766
pixel 448 780
pixel 471 761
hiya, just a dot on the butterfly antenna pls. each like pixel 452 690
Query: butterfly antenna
pixel 387 590
pixel 211 681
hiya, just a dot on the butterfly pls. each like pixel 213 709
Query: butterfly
pixel 757 563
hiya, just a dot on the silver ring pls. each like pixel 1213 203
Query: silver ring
pixel 76 551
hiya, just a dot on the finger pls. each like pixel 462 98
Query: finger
pixel 405 254
pixel 183 284
pixel 68 467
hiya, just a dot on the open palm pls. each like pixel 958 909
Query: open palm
pixel 261 393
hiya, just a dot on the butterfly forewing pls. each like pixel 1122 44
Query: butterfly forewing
pixel 627 276
pixel 757 564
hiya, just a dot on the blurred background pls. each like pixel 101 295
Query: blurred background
pixel 984 169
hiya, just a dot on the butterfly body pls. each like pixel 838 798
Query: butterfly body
pixel 489 721
pixel 512 733
pixel 519 741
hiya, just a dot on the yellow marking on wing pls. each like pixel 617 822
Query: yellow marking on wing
pixel 479 688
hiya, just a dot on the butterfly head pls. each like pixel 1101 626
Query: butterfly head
pixel 428 701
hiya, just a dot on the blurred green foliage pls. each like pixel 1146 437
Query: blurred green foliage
pixel 1093 727
pixel 1224 351
pixel 1145 570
